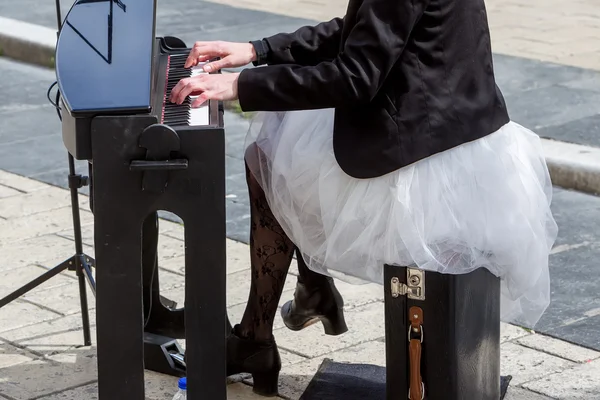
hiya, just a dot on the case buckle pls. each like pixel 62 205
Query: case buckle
pixel 414 289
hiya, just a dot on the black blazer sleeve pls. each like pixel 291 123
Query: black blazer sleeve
pixel 374 44
pixel 309 45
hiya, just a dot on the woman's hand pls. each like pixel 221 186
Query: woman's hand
pixel 206 87
pixel 232 55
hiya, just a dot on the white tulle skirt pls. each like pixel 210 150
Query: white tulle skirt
pixel 483 204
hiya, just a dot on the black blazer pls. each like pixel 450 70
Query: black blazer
pixel 407 79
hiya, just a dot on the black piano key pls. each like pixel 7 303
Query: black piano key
pixel 179 73
pixel 177 112
pixel 173 123
pixel 173 107
pixel 183 120
pixel 174 118
pixel 178 115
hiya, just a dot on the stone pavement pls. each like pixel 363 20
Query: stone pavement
pixel 41 352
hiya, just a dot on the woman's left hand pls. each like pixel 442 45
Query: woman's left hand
pixel 206 87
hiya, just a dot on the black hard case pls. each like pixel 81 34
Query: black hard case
pixel 460 357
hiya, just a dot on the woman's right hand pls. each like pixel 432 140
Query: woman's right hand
pixel 232 55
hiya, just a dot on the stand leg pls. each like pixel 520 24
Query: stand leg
pixel 74 184
pixel 36 282
pixel 205 278
pixel 119 307
pixel 85 318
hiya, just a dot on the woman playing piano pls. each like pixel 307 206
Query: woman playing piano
pixel 381 138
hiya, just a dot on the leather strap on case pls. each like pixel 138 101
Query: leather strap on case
pixel 415 337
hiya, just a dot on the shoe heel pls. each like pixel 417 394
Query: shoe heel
pixel 266 384
pixel 335 324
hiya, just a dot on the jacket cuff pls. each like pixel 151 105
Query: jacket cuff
pixel 279 49
pixel 250 97
pixel 262 49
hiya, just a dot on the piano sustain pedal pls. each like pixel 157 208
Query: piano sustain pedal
pixel 164 355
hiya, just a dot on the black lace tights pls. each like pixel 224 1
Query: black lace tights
pixel 270 258
pixel 271 254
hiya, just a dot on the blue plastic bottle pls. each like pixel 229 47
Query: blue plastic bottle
pixel 182 392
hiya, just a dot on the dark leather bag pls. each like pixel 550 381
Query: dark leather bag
pixel 442 335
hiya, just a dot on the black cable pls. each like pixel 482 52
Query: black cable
pixel 55 102
pixel 151 293
pixel 48 93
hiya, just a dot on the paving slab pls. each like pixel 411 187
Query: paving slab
pixel 56 325
pixel 5 191
pixel 53 374
pixel 522 394
pixel 364 324
pixel 526 364
pixel 580 382
pixel 552 105
pixel 17 277
pixel 558 348
pixel 584 131
pixel 45 250
pixel 11 356
pixel 19 314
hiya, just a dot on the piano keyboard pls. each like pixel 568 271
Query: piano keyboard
pixel 182 114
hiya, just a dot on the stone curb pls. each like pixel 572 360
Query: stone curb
pixel 571 166
pixel 27 42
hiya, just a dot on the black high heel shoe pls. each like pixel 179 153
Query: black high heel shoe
pixel 259 358
pixel 323 303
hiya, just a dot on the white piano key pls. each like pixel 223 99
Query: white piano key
pixel 198 116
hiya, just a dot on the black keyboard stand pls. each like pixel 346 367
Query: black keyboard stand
pixel 140 167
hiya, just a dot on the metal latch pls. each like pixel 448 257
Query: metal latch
pixel 414 289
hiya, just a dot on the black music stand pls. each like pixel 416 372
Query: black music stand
pixel 80 262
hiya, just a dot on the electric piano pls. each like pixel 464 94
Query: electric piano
pixel 114 78
pixel 109 62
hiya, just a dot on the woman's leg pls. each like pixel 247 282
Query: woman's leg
pixel 316 299
pixel 251 347
pixel 271 254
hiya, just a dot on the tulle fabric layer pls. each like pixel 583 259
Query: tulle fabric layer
pixel 483 204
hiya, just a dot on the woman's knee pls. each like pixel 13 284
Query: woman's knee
pixel 251 155
pixel 251 159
